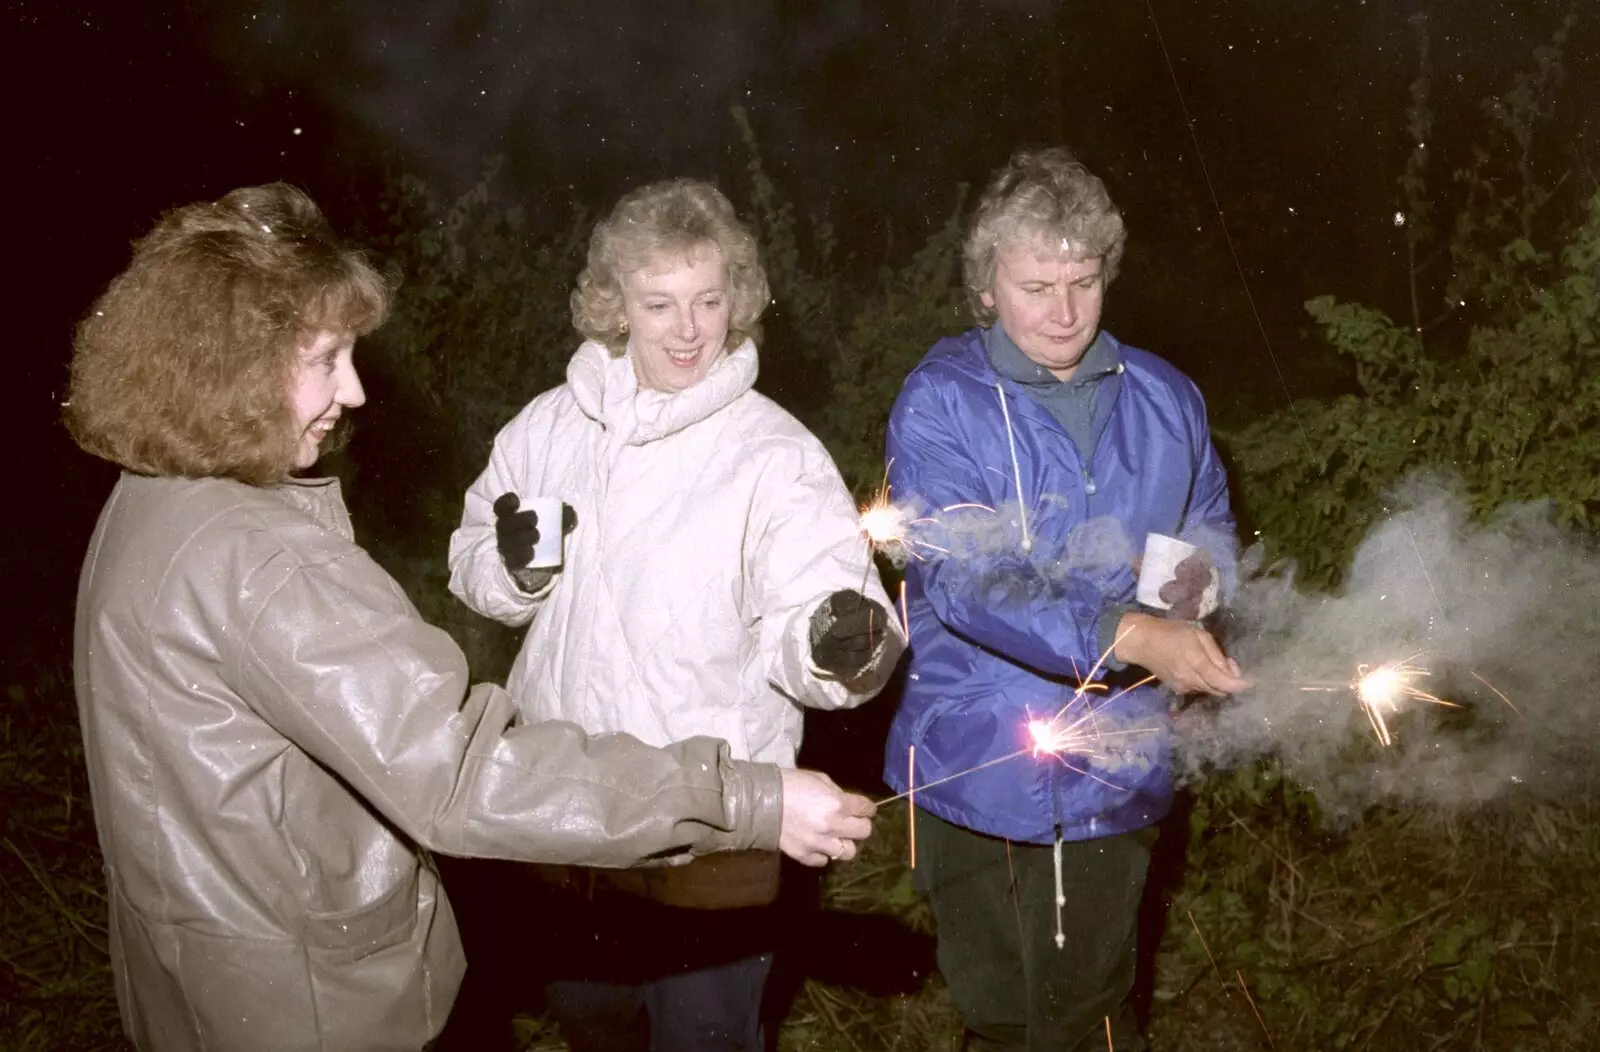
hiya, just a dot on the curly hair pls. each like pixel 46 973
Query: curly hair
pixel 1040 197
pixel 183 366
pixel 674 216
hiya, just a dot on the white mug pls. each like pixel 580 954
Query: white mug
pixel 1162 554
pixel 549 550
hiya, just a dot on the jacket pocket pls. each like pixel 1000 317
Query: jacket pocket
pixel 349 935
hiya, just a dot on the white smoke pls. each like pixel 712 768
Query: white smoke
pixel 1507 606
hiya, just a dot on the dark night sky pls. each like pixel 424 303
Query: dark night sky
pixel 868 113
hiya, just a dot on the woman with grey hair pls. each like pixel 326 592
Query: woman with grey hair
pixel 1082 445
pixel 714 581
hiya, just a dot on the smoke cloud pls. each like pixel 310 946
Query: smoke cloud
pixel 1501 615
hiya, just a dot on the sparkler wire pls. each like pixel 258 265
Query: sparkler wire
pixel 958 774
pixel 1267 1033
pixel 911 803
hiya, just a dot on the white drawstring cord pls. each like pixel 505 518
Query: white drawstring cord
pixel 1061 896
pixel 1016 470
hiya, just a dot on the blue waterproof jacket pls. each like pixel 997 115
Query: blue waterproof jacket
pixel 1002 632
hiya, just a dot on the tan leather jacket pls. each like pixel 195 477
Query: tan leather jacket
pixel 275 739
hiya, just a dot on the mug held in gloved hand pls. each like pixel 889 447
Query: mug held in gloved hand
pixel 530 534
pixel 1177 577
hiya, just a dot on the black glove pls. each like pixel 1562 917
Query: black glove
pixel 1187 589
pixel 847 631
pixel 515 532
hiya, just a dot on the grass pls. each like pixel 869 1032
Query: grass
pixel 1408 931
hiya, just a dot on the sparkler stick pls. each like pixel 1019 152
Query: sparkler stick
pixel 958 774
pixel 1498 694
pixel 1203 945
pixel 911 801
pixel 1061 893
pixel 1253 1008
pixel 1109 1046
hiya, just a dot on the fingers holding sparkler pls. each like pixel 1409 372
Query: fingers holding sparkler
pixel 1181 654
pixel 821 822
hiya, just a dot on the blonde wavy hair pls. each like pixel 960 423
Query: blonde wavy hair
pixel 664 219
pixel 1040 197
pixel 183 366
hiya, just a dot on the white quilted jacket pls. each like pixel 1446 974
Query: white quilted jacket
pixel 711 524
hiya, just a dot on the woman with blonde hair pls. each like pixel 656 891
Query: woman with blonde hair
pixel 714 582
pixel 275 740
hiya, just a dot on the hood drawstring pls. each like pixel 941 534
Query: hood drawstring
pixel 1016 470
pixel 1061 892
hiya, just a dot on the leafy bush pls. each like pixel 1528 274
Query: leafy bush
pixel 1500 390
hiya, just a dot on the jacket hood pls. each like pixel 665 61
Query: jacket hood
pixel 605 388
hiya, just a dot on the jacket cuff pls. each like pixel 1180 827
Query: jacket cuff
pixel 533 582
pixel 755 794
pixel 1106 634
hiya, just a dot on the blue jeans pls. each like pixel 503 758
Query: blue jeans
pixel 716 1009
pixel 631 975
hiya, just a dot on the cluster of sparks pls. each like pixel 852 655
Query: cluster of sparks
pixel 1383 688
pixel 890 530
pixel 887 528
pixel 1079 734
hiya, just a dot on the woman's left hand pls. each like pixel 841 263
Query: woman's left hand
pixel 848 632
pixel 821 822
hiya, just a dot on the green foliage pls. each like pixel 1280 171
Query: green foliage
pixel 1501 391
pixel 890 329
pixel 1515 414
pixel 481 321
pixel 804 289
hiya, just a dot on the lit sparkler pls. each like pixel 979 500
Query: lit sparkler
pixel 884 524
pixel 889 528
pixel 1383 688
pixel 1065 734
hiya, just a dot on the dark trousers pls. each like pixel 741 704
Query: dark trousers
pixel 995 907
pixel 632 975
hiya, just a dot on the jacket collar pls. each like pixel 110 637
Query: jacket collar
pixel 607 391
pixel 320 498
pixel 1099 361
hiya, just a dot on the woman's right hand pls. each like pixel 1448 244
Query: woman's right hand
pixel 515 532
pixel 1180 654
pixel 821 822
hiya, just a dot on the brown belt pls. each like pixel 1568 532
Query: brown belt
pixel 724 881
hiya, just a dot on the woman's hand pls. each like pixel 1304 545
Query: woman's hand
pixel 820 820
pixel 848 632
pixel 515 532
pixel 1180 654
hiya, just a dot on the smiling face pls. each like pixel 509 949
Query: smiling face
pixel 325 384
pixel 677 307
pixel 1048 303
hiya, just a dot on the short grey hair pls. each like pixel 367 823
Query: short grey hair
pixel 1040 196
